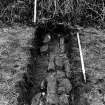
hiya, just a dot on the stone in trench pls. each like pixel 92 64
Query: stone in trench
pixel 44 86
pixel 51 66
pixel 60 74
pixel 47 38
pixel 62 45
pixel 51 89
pixel 59 61
pixel 64 86
pixel 44 48
pixel 51 83
pixel 67 68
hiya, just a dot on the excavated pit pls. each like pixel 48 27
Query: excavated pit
pixel 37 70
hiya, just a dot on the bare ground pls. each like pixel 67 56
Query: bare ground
pixel 14 57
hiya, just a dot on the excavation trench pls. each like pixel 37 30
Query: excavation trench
pixel 53 76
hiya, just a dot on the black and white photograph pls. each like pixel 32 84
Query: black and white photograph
pixel 52 52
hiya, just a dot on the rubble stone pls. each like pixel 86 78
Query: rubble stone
pixel 64 86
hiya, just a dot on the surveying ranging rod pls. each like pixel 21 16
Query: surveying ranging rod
pixel 81 56
pixel 35 6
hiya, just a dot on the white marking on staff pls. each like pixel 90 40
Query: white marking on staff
pixel 81 56
pixel 35 6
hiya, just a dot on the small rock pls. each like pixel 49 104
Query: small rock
pixel 47 38
pixel 59 61
pixel 51 66
pixel 64 86
pixel 44 48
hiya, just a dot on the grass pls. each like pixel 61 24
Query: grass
pixel 81 12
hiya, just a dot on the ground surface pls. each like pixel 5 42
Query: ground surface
pixel 93 44
pixel 14 57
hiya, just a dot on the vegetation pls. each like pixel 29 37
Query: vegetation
pixel 81 12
